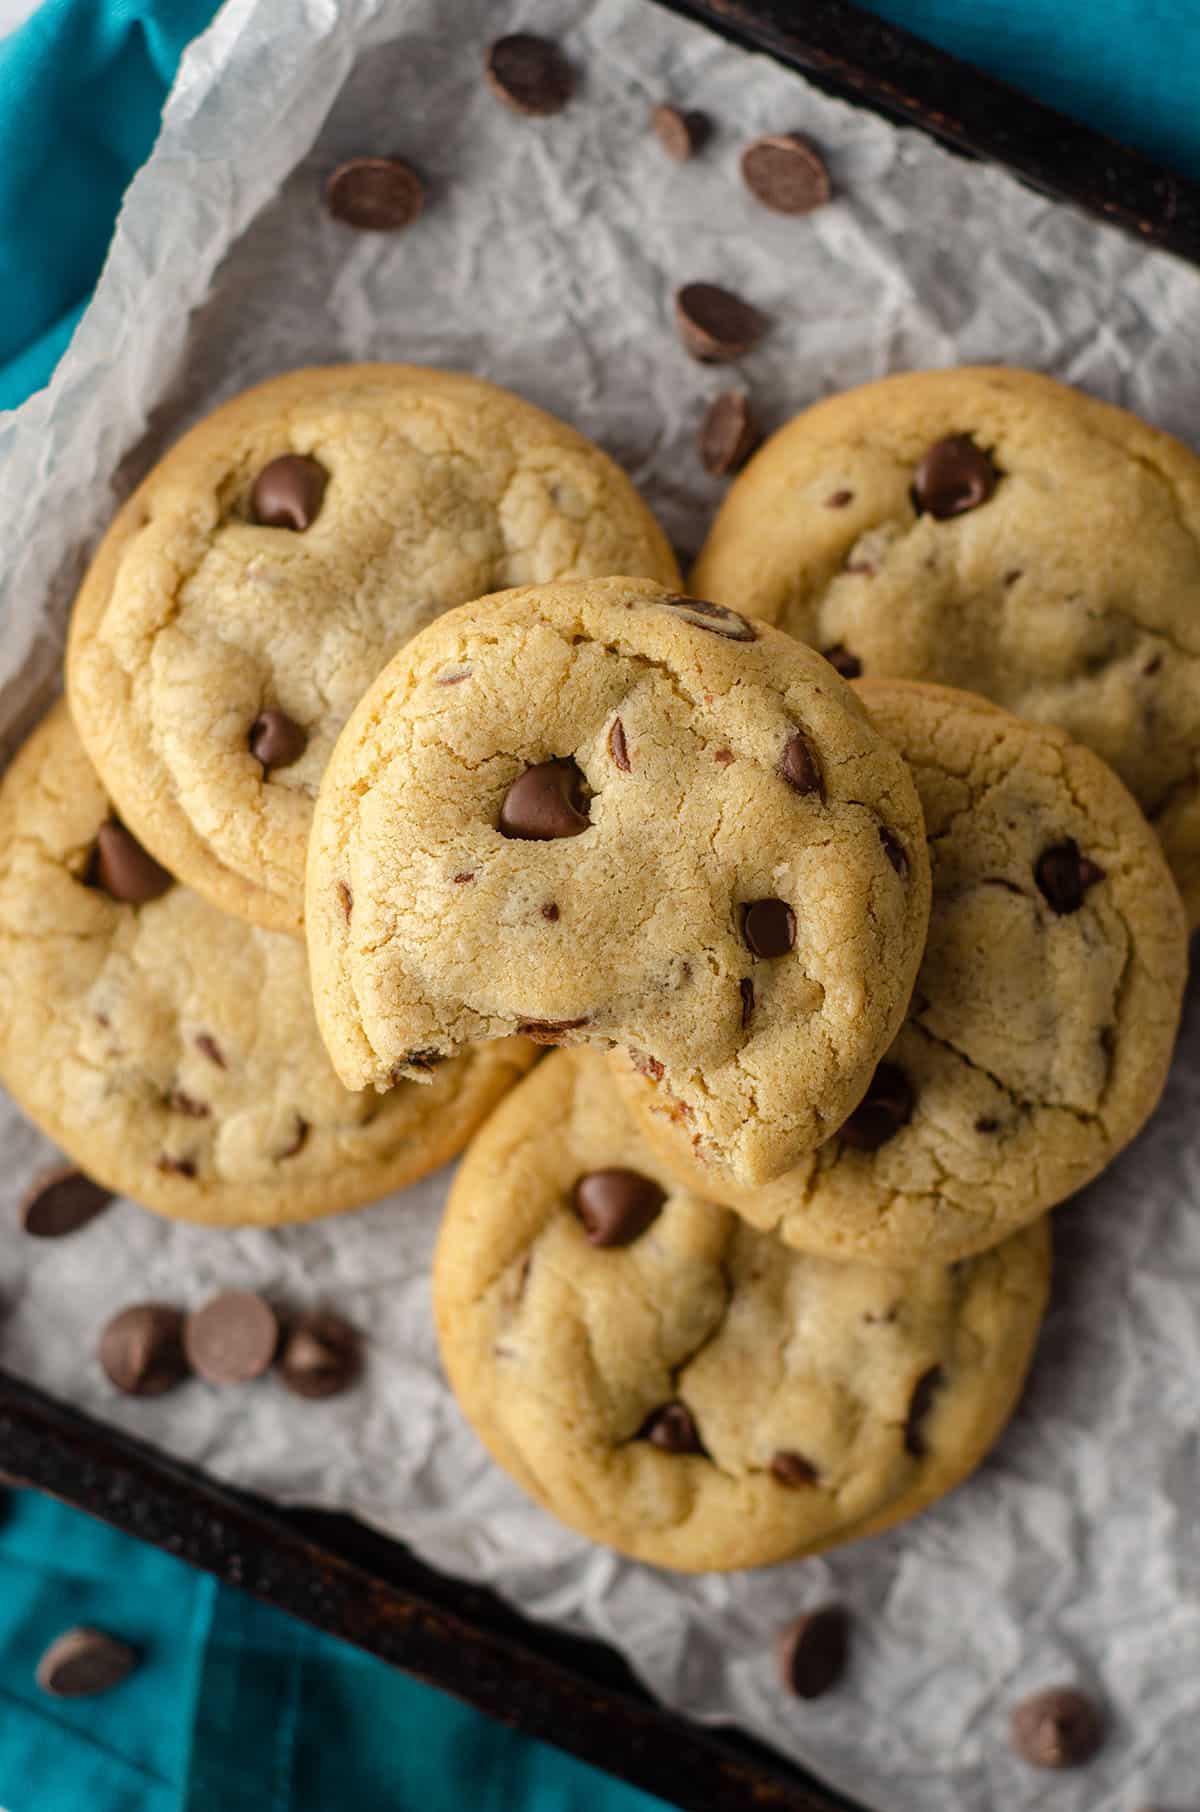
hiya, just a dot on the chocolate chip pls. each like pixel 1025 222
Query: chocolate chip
pixel 545 802
pixel 618 748
pixel 718 619
pixel 649 1067
pixel 530 73
pixel 672 1429
pixel 375 194
pixel 83 1662
pixel 616 1206
pixel 680 134
pixel 883 1110
pixel 813 1651
pixel 141 1351
pixel 427 1057
pixel 793 1470
pixel 288 493
pixel 714 324
pixel 321 1355
pixel 207 1043
pixel 986 1124
pixel 894 850
pixel 838 500
pixel 347 899
pixel 61 1201
pixel 461 880
pixel 125 871
pixel 276 740
pixel 232 1338
pixel 924 1391
pixel 172 1166
pixel 549 1031
pixel 785 173
pixel 1064 874
pixel 1057 1728
pixel 1153 665
pixel 746 990
pixel 550 912
pixel 728 433
pixel 723 757
pixel 456 678
pixel 955 475
pixel 768 927
pixel 182 1103
pixel 298 1141
pixel 799 765
pixel 843 662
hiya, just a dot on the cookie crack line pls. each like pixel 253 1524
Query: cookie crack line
pixel 1025 1103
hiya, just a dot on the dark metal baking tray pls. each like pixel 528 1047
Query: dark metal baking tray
pixel 371 1591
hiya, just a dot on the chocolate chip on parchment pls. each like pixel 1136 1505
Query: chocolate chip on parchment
pixel 545 802
pixel 924 1391
pixel 141 1349
pixel 1064 874
pixel 728 434
pixel 618 748
pixel 785 173
pixel 232 1339
pixel 746 990
pixel 672 1429
pixel 986 1124
pixel 83 1662
pixel 276 740
pixel 799 765
pixel 320 1356
pixel 954 476
pixel 793 1470
pixel 530 73
pixel 768 927
pixel 883 1110
pixel 288 492
pixel 718 619
pixel 813 1651
pixel 715 325
pixel 843 662
pixel 1058 1728
pixel 616 1206
pixel 61 1201
pixel 680 134
pixel 123 869
pixel 375 194
pixel 894 850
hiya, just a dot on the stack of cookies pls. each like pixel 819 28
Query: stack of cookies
pixel 850 883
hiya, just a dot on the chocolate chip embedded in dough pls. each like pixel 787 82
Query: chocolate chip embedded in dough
pixel 547 801
pixel 768 927
pixel 618 748
pixel 883 1110
pixel 276 740
pixel 288 493
pixel 794 1470
pixel 843 662
pixel 123 869
pixel 672 1429
pixel 924 1391
pixel 1064 875
pixel 799 765
pixel 616 1206
pixel 954 476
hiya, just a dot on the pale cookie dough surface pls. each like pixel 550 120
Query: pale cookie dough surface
pixel 1071 596
pixel 194 618
pixel 1041 1026
pixel 429 927
pixel 171 1050
pixel 887 1386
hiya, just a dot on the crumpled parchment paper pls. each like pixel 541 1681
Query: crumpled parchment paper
pixel 546 260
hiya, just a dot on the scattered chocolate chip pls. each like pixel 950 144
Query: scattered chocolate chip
pixel 427 1057
pixel 799 765
pixel 793 1470
pixel 375 194
pixel 530 73
pixel 728 433
pixel 61 1201
pixel 276 741
pixel 618 748
pixel 231 1339
pixel 746 990
pixel 1153 665
pixel 723 757
pixel 768 927
pixel 715 325
pixel 550 912
pixel 288 492
pixel 838 500
pixel 298 1140
pixel 83 1662
pixel 320 1356
pixel 1064 874
pixel 883 1110
pixel 843 662
pixel 718 619
pixel 894 850
pixel 549 1031
pixel 1058 1728
pixel 680 134
pixel 785 173
pixel 924 1391
pixel 649 1067
pixel 616 1206
pixel 672 1429
pixel 986 1124
pixel 955 475
pixel 182 1103
pixel 176 1167
pixel 1011 578
pixel 545 802
pixel 207 1043
pixel 462 879
pixel 140 1350
pixel 347 900
pixel 124 870
pixel 813 1651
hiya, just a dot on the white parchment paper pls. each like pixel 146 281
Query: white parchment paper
pixel 546 260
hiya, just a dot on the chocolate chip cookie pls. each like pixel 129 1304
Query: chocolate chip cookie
pixel 170 1049
pixel 1044 1015
pixel 262 574
pixel 679 1386
pixel 998 531
pixel 600 812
